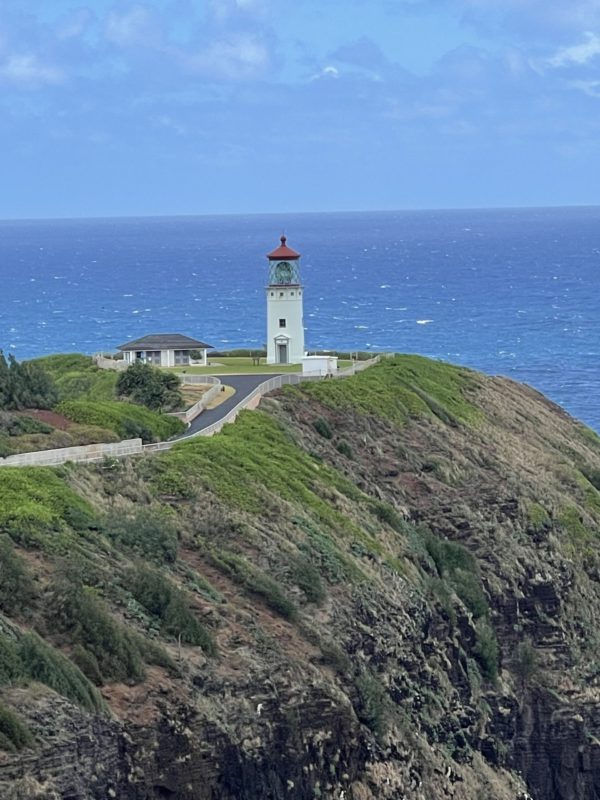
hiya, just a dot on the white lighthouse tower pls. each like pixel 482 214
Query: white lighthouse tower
pixel 285 327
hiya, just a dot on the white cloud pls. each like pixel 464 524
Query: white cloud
pixel 578 53
pixel 138 26
pixel 241 55
pixel 28 70
pixel 326 72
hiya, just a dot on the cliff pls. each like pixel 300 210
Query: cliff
pixel 379 587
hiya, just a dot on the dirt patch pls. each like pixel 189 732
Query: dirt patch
pixel 49 417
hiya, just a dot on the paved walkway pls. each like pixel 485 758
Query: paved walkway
pixel 243 385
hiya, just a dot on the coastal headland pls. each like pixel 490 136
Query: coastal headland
pixel 377 587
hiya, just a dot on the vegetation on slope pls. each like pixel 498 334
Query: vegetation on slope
pixel 408 582
pixel 126 420
pixel 401 387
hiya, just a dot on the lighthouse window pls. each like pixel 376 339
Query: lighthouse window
pixel 282 323
pixel 280 294
pixel 299 292
pixel 292 294
pixel 272 294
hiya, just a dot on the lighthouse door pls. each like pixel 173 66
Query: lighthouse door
pixel 282 354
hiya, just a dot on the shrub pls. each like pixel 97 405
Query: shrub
pixel 170 606
pixel 525 661
pixel 75 610
pixel 36 501
pixel 88 664
pixel 486 650
pixel 344 448
pixel 16 586
pixel 150 387
pixel 11 667
pixel 122 418
pixel 255 582
pixel 45 664
pixel 371 702
pixel 323 428
pixel 148 533
pixel 14 734
pixel 25 385
pixel 389 515
pixel 306 576
pixel 455 564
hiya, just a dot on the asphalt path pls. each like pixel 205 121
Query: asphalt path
pixel 243 385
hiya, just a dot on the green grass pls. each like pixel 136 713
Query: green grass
pixel 30 658
pixel 229 365
pixel 537 516
pixel 14 734
pixel 401 387
pixel 77 377
pixel 255 581
pixel 34 502
pixel 82 615
pixel 170 606
pixel 125 419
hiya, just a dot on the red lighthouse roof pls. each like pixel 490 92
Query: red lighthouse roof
pixel 283 252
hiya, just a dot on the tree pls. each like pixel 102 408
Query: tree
pixel 150 387
pixel 25 385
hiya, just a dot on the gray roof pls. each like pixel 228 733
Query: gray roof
pixel 164 341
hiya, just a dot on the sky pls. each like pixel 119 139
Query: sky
pixel 166 107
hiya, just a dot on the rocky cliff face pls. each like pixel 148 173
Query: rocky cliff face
pixel 394 583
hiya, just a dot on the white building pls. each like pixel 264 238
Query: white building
pixel 285 325
pixel 165 350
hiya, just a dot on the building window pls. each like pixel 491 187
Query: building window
pixel 280 294
pixel 299 292
pixel 272 294
pixel 292 294
pixel 182 356
pixel 282 323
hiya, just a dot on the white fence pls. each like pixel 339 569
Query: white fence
pixel 192 412
pixel 130 447
pixel 86 452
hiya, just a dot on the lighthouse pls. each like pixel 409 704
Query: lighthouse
pixel 285 327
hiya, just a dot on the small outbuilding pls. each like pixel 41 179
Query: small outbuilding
pixel 165 350
pixel 319 365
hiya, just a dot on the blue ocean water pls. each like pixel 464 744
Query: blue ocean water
pixel 513 292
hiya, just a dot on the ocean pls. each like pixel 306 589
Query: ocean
pixel 510 292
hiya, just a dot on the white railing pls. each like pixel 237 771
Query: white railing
pixel 79 453
pixel 97 452
pixel 192 412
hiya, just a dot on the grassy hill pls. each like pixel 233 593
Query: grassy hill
pixel 382 585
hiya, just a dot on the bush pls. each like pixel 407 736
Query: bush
pixel 148 533
pixel 36 501
pixel 25 385
pixel 14 734
pixel 255 582
pixel 150 387
pixel 125 419
pixel 455 564
pixel 323 428
pixel 371 702
pixel 344 448
pixel 170 606
pixel 16 586
pixel 307 578
pixel 76 611
pixel 525 661
pixel 43 663
pixel 486 650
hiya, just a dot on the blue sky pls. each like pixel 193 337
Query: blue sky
pixel 112 107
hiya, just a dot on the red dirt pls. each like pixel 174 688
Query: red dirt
pixel 49 417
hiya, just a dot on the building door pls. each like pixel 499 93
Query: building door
pixel 282 354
